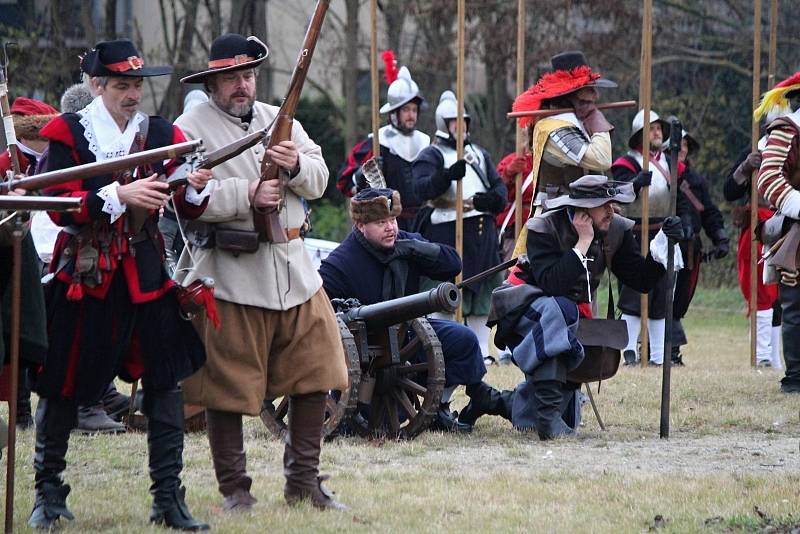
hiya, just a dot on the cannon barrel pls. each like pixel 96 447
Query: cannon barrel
pixel 443 298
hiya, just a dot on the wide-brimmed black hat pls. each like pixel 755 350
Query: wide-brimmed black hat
pixel 571 60
pixel 591 191
pixel 119 58
pixel 231 52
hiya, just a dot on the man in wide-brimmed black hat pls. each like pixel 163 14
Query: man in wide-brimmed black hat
pixel 569 246
pixel 113 309
pixel 279 336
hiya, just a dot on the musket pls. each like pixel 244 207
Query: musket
pixel 540 113
pixel 8 119
pixel 266 221
pixel 99 168
pixel 37 203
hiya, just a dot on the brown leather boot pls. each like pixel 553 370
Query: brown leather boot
pixel 226 440
pixel 301 455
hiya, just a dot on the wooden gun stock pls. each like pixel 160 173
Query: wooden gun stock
pixel 266 221
pixel 539 113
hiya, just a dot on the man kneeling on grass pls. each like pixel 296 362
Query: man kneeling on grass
pixel 536 311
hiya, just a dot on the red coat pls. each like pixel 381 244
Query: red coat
pixel 144 272
pixel 527 195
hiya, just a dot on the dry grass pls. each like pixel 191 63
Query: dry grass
pixel 733 447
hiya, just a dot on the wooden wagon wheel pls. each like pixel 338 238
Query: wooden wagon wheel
pixel 338 404
pixel 406 395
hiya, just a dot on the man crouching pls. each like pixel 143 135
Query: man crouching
pixel 538 308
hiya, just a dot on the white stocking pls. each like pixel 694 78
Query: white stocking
pixel 655 328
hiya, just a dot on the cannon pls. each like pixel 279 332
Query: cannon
pixel 396 367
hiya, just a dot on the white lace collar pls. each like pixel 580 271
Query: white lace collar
pixel 102 133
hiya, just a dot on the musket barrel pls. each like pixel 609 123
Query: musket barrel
pixel 35 203
pixel 550 112
pixel 444 298
pixel 98 168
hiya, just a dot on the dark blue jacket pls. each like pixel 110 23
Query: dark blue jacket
pixel 350 271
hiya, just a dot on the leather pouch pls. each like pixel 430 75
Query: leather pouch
pixel 236 241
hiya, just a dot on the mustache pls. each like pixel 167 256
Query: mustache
pixel 241 94
pixel 127 103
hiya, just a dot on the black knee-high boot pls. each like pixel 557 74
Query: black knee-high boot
pixel 164 410
pixel 54 420
pixel 549 379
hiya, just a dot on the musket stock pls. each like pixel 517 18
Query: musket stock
pixel 266 221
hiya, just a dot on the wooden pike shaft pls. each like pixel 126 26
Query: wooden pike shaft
pixel 460 144
pixel 373 12
pixel 773 43
pixel 754 180
pixel 16 295
pixel 644 99
pixel 521 140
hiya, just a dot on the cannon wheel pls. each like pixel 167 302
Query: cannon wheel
pixel 274 413
pixel 406 396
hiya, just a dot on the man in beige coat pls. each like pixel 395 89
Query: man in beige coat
pixel 278 333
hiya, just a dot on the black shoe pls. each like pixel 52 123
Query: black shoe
pixel 790 388
pixel 94 420
pixel 173 513
pixel 549 423
pixel 677 361
pixel 50 506
pixel 483 400
pixel 446 421
pixel 651 363
pixel 630 357
pixel 115 403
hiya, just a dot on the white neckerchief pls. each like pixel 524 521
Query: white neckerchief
pixel 102 133
pixel 28 150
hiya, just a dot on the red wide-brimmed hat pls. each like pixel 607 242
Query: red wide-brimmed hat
pixel 571 72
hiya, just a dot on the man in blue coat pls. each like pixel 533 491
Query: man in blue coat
pixel 378 261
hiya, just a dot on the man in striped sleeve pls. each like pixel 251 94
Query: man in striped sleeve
pixel 778 183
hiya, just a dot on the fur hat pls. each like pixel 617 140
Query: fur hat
pixel 75 98
pixel 371 205
pixel 30 116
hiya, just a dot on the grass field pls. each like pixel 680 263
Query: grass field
pixel 732 463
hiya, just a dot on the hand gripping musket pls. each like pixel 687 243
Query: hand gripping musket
pixel 99 168
pixel 266 221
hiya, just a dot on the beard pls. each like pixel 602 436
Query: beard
pixel 236 109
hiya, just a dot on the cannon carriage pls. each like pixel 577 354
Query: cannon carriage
pixel 395 365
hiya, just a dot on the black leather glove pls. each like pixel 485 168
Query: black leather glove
pixel 422 252
pixel 688 227
pixel 456 171
pixel 342 305
pixel 722 245
pixel 489 202
pixel 643 179
pixel 360 180
pixel 673 228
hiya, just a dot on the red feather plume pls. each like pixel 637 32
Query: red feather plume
pixel 551 85
pixel 390 69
